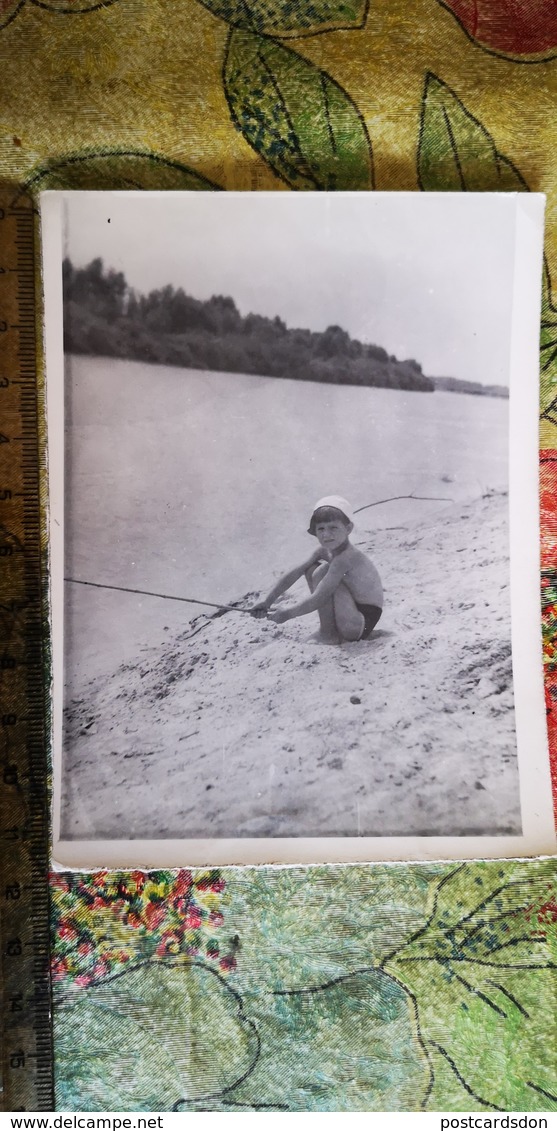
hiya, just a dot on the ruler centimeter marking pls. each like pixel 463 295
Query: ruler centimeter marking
pixel 27 1056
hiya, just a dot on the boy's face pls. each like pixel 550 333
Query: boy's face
pixel 332 533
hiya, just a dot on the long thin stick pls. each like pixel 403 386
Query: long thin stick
pixel 394 498
pixel 148 593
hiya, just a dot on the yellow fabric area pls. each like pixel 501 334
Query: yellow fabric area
pixel 147 74
pixel 263 96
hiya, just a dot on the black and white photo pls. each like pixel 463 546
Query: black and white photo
pixel 290 515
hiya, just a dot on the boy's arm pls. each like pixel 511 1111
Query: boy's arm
pixel 332 579
pixel 285 582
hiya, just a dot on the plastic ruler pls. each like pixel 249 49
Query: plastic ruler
pixel 27 1059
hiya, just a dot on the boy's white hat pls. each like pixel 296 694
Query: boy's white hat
pixel 335 501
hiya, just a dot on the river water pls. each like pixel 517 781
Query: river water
pixel 201 484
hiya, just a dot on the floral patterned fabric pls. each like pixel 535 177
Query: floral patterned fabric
pixel 400 987
pixel 384 988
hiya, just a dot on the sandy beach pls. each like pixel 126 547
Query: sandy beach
pixel 238 727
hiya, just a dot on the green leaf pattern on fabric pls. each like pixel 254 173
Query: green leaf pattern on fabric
pixel 150 1038
pixel 455 151
pixel 548 352
pixel 117 170
pixel 287 17
pixel 350 1045
pixel 482 971
pixel 395 988
pixel 295 116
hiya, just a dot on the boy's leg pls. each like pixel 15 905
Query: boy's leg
pixel 329 632
pixel 349 620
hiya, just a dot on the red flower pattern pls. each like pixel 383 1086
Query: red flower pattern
pixel 104 920
pixel 517 28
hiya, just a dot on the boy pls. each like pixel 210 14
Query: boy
pixel 345 586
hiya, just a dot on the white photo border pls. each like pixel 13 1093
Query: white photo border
pixel 538 825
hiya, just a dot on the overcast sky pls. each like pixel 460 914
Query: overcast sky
pixel 427 276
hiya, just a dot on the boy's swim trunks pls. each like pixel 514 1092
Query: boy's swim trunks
pixel 371 615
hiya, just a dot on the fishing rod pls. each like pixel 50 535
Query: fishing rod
pixel 395 498
pixel 163 596
pixel 234 608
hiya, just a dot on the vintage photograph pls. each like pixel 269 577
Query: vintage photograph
pixel 287 607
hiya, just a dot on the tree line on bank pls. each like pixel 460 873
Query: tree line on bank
pixel 104 316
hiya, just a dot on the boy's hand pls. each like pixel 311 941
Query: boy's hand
pixel 259 610
pixel 279 616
